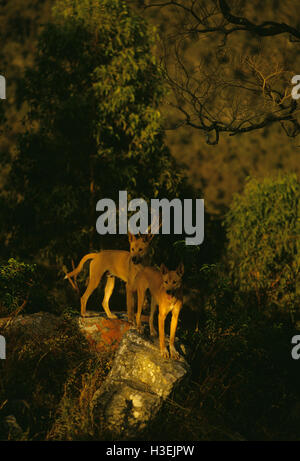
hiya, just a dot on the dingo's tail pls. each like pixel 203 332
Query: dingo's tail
pixel 78 269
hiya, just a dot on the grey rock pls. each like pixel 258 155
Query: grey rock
pixel 136 387
pixel 40 323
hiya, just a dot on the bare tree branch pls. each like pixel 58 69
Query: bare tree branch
pixel 267 28
pixel 226 92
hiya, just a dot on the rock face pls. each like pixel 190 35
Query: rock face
pixel 134 390
pixel 103 334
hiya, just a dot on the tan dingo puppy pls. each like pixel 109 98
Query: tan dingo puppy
pixel 118 263
pixel 166 290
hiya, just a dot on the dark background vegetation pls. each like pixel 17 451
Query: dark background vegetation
pixel 99 102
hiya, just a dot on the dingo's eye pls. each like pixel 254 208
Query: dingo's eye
pixel 140 249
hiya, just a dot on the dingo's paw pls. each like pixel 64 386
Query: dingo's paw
pixel 113 316
pixel 140 329
pixel 164 353
pixel 153 332
pixel 174 353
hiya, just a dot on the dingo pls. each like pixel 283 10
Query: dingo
pixel 118 263
pixel 166 291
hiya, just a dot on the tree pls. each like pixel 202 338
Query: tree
pixel 263 240
pixel 93 128
pixel 241 83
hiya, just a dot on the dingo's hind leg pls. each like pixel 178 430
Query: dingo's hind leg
pixel 110 283
pixel 130 303
pixel 174 354
pixel 93 283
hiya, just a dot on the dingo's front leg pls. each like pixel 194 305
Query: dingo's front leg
pixel 153 332
pixel 141 299
pixel 161 326
pixel 175 313
pixel 83 307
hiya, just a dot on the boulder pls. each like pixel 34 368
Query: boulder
pixel 136 386
pixel 102 333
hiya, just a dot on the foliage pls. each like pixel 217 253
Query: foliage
pixel 24 288
pixel 93 128
pixel 16 280
pixel 263 229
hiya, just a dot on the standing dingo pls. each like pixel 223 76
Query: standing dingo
pixel 166 292
pixel 118 263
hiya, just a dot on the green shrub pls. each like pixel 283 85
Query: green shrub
pixel 24 288
pixel 263 231
pixel 16 279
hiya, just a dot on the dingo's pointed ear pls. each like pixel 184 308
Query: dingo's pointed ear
pixel 163 269
pixel 180 269
pixel 131 237
pixel 147 237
